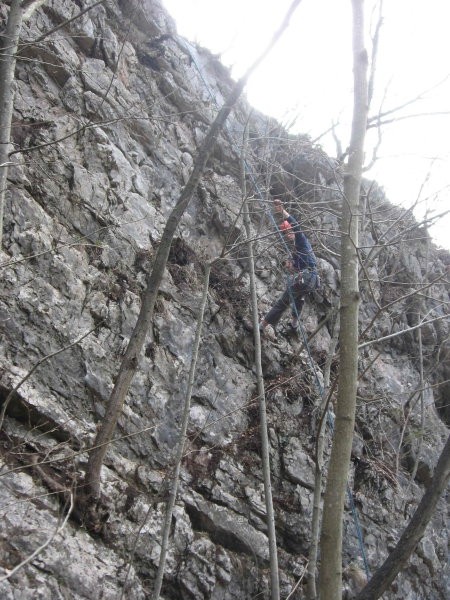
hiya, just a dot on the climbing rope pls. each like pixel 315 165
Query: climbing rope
pixel 319 386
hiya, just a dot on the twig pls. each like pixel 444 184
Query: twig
pixel 43 546
pixel 298 582
pixel 33 369
pixel 397 333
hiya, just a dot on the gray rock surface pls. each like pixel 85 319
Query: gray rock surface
pixel 109 114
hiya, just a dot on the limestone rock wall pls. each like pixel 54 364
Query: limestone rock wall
pixel 109 113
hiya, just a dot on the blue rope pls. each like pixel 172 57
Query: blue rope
pixel 358 531
pixel 330 416
pixel 305 339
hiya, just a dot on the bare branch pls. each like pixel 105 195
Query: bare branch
pixel 33 369
pixel 403 331
pixel 67 22
pixel 375 42
pixel 32 556
pixel 379 122
pixel 377 118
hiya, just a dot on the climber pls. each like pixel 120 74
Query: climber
pixel 302 269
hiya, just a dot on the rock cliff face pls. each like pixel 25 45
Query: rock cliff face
pixel 109 113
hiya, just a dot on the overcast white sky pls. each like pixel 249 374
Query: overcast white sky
pixel 309 76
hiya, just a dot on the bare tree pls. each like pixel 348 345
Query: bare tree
pixel 181 438
pixel 8 52
pixel 409 539
pixel 131 358
pixel 319 464
pixel 270 517
pixel 330 575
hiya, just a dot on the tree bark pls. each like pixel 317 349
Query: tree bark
pixel 409 539
pixel 265 455
pixel 91 486
pixel 330 577
pixel 318 474
pixel 8 53
pixel 181 439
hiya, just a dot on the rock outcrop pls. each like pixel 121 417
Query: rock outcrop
pixel 109 113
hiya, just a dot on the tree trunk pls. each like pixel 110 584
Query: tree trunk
pixel 91 486
pixel 318 475
pixel 265 455
pixel 181 439
pixel 395 562
pixel 330 578
pixel 8 53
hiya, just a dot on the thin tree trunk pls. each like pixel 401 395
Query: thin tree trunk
pixel 129 365
pixel 330 577
pixel 409 539
pixel 265 455
pixel 422 410
pixel 315 522
pixel 8 53
pixel 421 374
pixel 181 439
